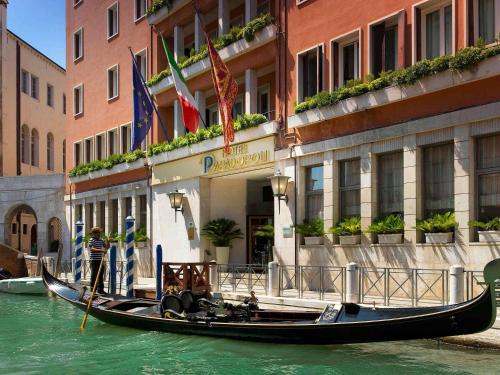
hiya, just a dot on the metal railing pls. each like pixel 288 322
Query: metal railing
pixel 242 278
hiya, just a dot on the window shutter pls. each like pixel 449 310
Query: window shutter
pixel 319 67
pixel 401 57
pixel 418 34
pixel 335 62
pixel 378 32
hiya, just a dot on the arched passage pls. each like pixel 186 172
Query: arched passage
pixel 21 231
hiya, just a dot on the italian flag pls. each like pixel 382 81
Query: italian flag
pixel 190 113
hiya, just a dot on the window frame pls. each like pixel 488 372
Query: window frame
pixel 342 41
pixel 114 68
pixel 320 68
pixel 475 15
pixel 28 82
pixel 81 101
pixel 143 52
pixel 481 171
pixel 390 21
pixel 103 146
pixel 64 102
pixel 50 95
pixel 50 152
pixel 349 188
pixel 86 158
pixel 313 193
pixel 80 153
pixel 211 109
pixel 264 89
pixel 115 132
pixel 137 19
pixel 240 99
pixel 80 45
pixel 426 8
pixel 33 79
pixel 109 8
pixel 128 127
pixel 35 148
pixel 379 180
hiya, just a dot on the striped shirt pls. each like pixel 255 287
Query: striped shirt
pixel 98 244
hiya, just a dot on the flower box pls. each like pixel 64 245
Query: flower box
pixel 439 237
pixel 313 240
pixel 489 235
pixel 141 244
pixel 390 239
pixel 350 240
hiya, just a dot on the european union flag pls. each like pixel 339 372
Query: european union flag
pixel 143 109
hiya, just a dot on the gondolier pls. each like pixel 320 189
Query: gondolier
pixel 97 248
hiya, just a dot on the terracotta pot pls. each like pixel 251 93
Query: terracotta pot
pixel 350 240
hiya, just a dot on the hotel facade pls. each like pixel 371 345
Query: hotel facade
pixel 420 141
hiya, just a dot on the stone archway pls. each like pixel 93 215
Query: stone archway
pixel 20 230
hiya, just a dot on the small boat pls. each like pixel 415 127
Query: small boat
pixel 23 285
pixel 343 324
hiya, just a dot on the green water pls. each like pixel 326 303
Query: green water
pixel 40 335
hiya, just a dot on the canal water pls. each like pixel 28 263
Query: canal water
pixel 40 335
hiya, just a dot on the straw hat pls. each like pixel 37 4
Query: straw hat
pixel 95 230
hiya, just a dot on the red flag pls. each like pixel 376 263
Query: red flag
pixel 226 89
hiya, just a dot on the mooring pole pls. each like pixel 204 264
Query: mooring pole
pixel 159 266
pixel 78 252
pixel 112 269
pixel 130 255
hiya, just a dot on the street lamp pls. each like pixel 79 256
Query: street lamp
pixel 176 198
pixel 279 184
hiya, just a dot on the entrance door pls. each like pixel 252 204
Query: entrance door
pixel 260 239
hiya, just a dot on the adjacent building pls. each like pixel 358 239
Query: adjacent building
pixel 417 142
pixel 33 144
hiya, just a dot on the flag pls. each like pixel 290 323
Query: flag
pixel 143 108
pixel 190 113
pixel 226 89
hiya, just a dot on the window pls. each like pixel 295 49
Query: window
pixel 384 40
pixel 438 180
pixel 78 100
pixel 212 115
pixel 114 215
pixel 100 147
pixel 487 20
pixel 25 229
pixel 77 153
pixel 238 107
pixel 263 101
pixel 34 87
pixel 488 177
pixel 437 31
pixel 102 214
pixel 64 104
pixel 14 228
pixel 113 82
pixel 113 20
pixel 64 155
pixel 143 211
pixel 350 193
pixel 236 22
pixel 50 152
pixel 142 63
pixel 390 184
pixel 77 2
pixel 310 73
pixel 88 150
pixel 125 138
pixel 112 138
pixel 78 45
pixel 314 192
pixel 50 95
pixel 346 59
pixel 263 7
pixel 34 147
pixel 25 142
pixel 140 9
pixel 79 212
pixel 25 79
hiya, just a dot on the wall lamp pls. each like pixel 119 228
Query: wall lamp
pixel 279 184
pixel 176 198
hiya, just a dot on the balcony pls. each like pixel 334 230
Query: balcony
pixel 164 9
pixel 228 53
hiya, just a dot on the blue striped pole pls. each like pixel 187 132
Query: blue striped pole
pixel 159 265
pixel 112 270
pixel 79 252
pixel 130 255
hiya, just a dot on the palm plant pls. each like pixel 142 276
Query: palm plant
pixel 392 224
pixel 438 223
pixel 315 228
pixel 490 225
pixel 221 232
pixel 266 231
pixel 348 227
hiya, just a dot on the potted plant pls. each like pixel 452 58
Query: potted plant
pixel 389 229
pixel 488 231
pixel 348 230
pixel 438 228
pixel 312 232
pixel 113 239
pixel 221 232
pixel 141 237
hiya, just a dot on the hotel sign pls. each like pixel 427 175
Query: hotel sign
pixel 246 155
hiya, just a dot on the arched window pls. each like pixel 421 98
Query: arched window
pixel 64 155
pixel 34 148
pixel 50 152
pixel 25 144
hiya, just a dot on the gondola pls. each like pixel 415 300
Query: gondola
pixel 343 324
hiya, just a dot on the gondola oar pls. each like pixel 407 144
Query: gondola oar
pixel 84 321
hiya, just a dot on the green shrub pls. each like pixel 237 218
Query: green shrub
pixel 157 5
pixel 466 58
pixel 493 224
pixel 439 223
pixel 391 224
pixel 221 232
pixel 266 231
pixel 141 235
pixel 348 227
pixel 236 33
pixel 315 228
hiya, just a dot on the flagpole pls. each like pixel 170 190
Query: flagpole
pixel 164 129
